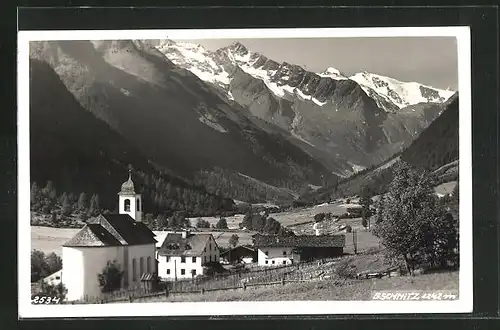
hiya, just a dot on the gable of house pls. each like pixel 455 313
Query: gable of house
pixel 193 245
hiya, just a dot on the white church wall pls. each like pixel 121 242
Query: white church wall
pixel 72 272
pixel 135 252
pixel 95 260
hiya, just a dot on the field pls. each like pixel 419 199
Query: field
pixel 445 188
pixel 49 239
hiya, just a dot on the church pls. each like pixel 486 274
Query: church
pixel 121 237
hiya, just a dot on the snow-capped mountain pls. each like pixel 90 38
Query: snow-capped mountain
pixel 400 93
pixel 216 67
pixel 347 122
pixel 333 73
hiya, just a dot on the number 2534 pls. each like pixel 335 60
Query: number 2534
pixel 45 300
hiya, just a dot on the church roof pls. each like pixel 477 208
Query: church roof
pixel 112 230
pixel 192 245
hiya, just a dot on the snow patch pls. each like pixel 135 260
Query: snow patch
pixel 124 91
pixel 332 73
pixel 210 121
pixel 356 168
pixel 400 93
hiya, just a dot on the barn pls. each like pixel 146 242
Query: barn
pixel 276 250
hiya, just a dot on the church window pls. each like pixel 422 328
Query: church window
pixel 138 204
pixel 148 265
pixel 141 266
pixel 134 270
pixel 126 205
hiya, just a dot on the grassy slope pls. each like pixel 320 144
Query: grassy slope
pixel 325 290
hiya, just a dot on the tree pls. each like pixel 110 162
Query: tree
pixel 272 226
pixel 172 222
pixel 54 263
pixel 94 205
pixel 66 207
pixel 161 221
pixel 200 223
pixel 233 240
pixel 82 202
pixel 221 224
pixel 319 217
pixel 39 267
pixel 111 277
pixel 285 232
pixel 414 229
pixel 365 201
pixel 57 291
pixel 35 197
pixel 247 219
pixel 54 219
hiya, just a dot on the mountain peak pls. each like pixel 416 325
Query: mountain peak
pixel 238 47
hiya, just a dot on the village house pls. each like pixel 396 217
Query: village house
pixel 53 279
pixel 120 238
pixel 185 255
pixel 276 250
pixel 241 253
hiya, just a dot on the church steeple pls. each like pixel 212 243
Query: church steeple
pixel 129 202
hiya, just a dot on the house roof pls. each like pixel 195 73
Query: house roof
pixel 112 230
pixel 248 249
pixel 299 241
pixel 192 245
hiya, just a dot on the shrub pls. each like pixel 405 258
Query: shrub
pixel 110 278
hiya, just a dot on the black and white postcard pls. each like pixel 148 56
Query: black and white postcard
pixel 244 172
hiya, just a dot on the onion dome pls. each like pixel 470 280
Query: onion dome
pixel 128 186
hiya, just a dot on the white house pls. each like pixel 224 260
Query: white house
pixel 183 255
pixel 273 250
pixel 53 279
pixel 107 238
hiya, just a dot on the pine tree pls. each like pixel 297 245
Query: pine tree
pixel 97 207
pixel 221 224
pixel 66 207
pixel 35 194
pixel 82 202
pixel 92 208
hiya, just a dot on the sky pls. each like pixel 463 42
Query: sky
pixel 430 61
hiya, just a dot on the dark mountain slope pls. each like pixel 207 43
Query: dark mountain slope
pixel 69 146
pixel 80 153
pixel 171 116
pixel 435 149
pixel 438 144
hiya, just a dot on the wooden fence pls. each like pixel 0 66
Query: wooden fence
pixel 300 272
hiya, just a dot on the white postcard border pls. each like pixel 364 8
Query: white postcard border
pixel 462 305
